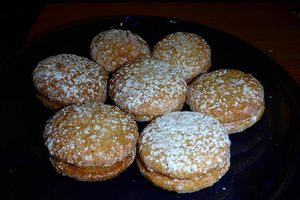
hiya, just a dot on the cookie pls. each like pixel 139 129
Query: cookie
pixel 91 141
pixel 147 88
pixel 112 48
pixel 235 98
pixel 186 51
pixel 67 79
pixel 184 151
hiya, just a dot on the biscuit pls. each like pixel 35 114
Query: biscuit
pixel 182 185
pixel 147 88
pixel 234 98
pixel 93 173
pixel 112 48
pixel 184 151
pixel 187 51
pixel 91 141
pixel 66 79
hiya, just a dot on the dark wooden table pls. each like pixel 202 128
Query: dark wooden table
pixel 272 27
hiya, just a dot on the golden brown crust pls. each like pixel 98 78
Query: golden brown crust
pixel 93 173
pixel 236 99
pixel 112 48
pixel 241 125
pixel 184 151
pixel 90 135
pixel 147 88
pixel 183 145
pixel 67 79
pixel 49 104
pixel 183 185
pixel 187 52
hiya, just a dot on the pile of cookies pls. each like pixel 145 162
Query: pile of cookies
pixel 182 151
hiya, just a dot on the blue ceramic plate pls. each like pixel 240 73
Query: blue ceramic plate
pixel 263 157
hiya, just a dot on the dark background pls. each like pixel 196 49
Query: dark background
pixel 16 19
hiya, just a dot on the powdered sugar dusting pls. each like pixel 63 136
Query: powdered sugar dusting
pixel 227 94
pixel 67 79
pixel 91 134
pixel 184 143
pixel 187 51
pixel 112 48
pixel 147 84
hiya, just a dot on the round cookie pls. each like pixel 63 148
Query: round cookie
pixel 184 151
pixel 187 51
pixel 112 48
pixel 66 79
pixel 234 98
pixel 147 88
pixel 91 141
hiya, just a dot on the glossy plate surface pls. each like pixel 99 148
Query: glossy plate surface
pixel 263 157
